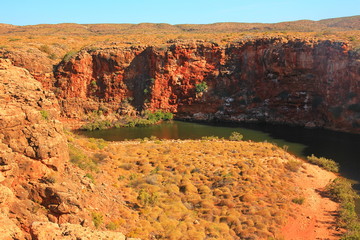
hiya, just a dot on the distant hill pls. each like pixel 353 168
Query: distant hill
pixel 333 24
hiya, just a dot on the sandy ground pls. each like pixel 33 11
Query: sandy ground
pixel 315 218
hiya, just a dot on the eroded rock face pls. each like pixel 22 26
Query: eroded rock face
pixel 28 118
pixel 35 61
pixel 39 188
pixel 307 83
pixel 32 145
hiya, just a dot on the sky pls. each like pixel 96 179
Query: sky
pixel 30 12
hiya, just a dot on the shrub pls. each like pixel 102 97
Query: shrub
pixel 150 118
pixel 299 200
pixel 97 125
pixel 97 219
pixel 147 198
pixel 210 138
pixel 327 164
pixel 293 165
pixel 159 116
pixel 45 49
pixel 45 114
pixel 90 176
pixel 341 190
pixel 236 136
pixel 112 226
pixel 93 83
pixel 201 87
pixel 69 55
pixel 52 56
pixel 78 157
pixel 14 39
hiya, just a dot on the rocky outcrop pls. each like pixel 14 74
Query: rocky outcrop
pixel 307 83
pixel 37 182
pixel 28 122
pixel 39 65
pixel 32 142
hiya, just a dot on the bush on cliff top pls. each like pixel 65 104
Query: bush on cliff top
pixel 69 55
pixel 341 190
pixel 327 164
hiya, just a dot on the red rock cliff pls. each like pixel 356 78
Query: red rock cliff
pixel 39 189
pixel 312 83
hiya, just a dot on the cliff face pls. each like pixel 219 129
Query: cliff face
pixel 39 189
pixel 313 84
pixel 33 147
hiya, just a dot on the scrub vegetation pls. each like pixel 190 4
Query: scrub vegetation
pixel 196 189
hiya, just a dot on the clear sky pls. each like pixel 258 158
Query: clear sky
pixel 28 12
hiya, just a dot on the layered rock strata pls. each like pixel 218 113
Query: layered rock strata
pixel 306 83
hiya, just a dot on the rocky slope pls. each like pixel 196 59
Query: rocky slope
pixel 37 184
pixel 291 81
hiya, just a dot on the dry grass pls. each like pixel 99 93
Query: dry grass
pixel 57 46
pixel 199 189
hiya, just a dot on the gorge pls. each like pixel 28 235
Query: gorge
pixel 56 184
pixel 296 82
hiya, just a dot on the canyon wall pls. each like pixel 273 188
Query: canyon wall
pixel 306 83
pixel 42 195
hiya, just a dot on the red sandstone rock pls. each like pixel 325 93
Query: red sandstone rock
pixel 274 80
pixel 36 62
pixel 37 183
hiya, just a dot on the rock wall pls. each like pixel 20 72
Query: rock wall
pixel 39 189
pixel 307 83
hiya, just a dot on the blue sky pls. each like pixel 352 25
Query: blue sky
pixel 28 12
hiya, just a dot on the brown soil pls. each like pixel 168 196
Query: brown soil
pixel 316 217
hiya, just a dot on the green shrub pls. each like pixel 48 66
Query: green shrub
pixel 341 190
pixel 327 164
pixel 45 114
pixel 299 200
pixel 91 177
pixel 97 125
pixel 210 138
pixel 69 55
pixel 236 136
pixel 159 116
pixel 93 83
pixel 147 198
pixel 150 118
pixel 97 219
pixel 79 158
pixel 112 226
pixel 201 87
pixel 14 39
